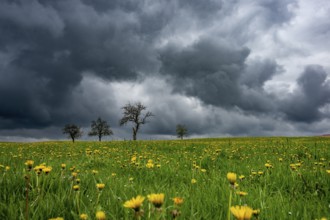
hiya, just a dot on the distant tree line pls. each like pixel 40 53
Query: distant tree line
pixel 132 113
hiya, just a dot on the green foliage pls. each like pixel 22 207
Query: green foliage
pixel 296 186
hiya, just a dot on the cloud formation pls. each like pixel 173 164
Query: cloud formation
pixel 221 67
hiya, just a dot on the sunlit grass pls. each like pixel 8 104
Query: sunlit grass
pixel 277 178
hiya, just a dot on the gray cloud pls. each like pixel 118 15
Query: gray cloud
pixel 216 60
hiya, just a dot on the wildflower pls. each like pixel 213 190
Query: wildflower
pixel 83 216
pixel 7 168
pixel 134 203
pixel 113 174
pixel 203 170
pixel 47 170
pixel 131 179
pixel 95 172
pixel 241 212
pixel 100 215
pixel 76 187
pixel 58 218
pixel 256 212
pixel 193 181
pixel 156 199
pixel 268 165
pixel 78 181
pixel 177 200
pixel 29 164
pixel 100 186
pixel 328 171
pixel 280 159
pixel 241 177
pixel 63 165
pixel 232 178
pixel 260 173
pixel 74 174
pixel 241 193
pixel 149 165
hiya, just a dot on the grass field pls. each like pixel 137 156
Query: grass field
pixel 284 178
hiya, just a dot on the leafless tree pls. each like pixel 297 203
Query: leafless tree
pixel 133 113
pixel 73 131
pixel 100 128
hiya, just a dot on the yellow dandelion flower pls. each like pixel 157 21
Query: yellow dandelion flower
pixel 149 165
pixel 203 170
pixel 268 165
pixel 241 177
pixel 232 178
pixel 328 171
pixel 134 203
pixel 100 215
pixel 256 212
pixel 7 168
pixel 241 212
pixel 29 164
pixel 113 174
pixel 100 186
pixel 76 187
pixel 47 170
pixel 95 172
pixel 57 218
pixel 178 200
pixel 193 181
pixel 241 193
pixel 83 216
pixel 63 165
pixel 156 199
pixel 74 174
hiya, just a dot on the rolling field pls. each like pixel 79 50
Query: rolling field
pixel 278 178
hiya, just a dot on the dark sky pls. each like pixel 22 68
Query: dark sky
pixel 222 68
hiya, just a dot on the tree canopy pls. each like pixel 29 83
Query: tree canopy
pixel 73 131
pixel 100 128
pixel 133 113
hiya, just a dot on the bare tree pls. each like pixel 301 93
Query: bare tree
pixel 133 113
pixel 181 131
pixel 73 131
pixel 100 128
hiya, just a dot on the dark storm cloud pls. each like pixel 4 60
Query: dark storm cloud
pixel 56 56
pixel 207 69
pixel 313 93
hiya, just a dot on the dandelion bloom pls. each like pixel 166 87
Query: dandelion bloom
pixel 156 199
pixel 241 177
pixel 63 165
pixel 328 171
pixel 76 187
pixel 241 193
pixel 47 170
pixel 241 212
pixel 29 164
pixel 100 215
pixel 268 165
pixel 100 186
pixel 134 203
pixel 7 168
pixel 83 216
pixel 177 200
pixel 193 181
pixel 58 218
pixel 232 178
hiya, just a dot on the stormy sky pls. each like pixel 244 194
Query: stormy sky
pixel 221 67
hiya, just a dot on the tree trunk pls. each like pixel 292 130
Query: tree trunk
pixel 134 134
pixel 100 137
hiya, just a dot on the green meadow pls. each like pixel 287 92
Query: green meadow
pixel 279 178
